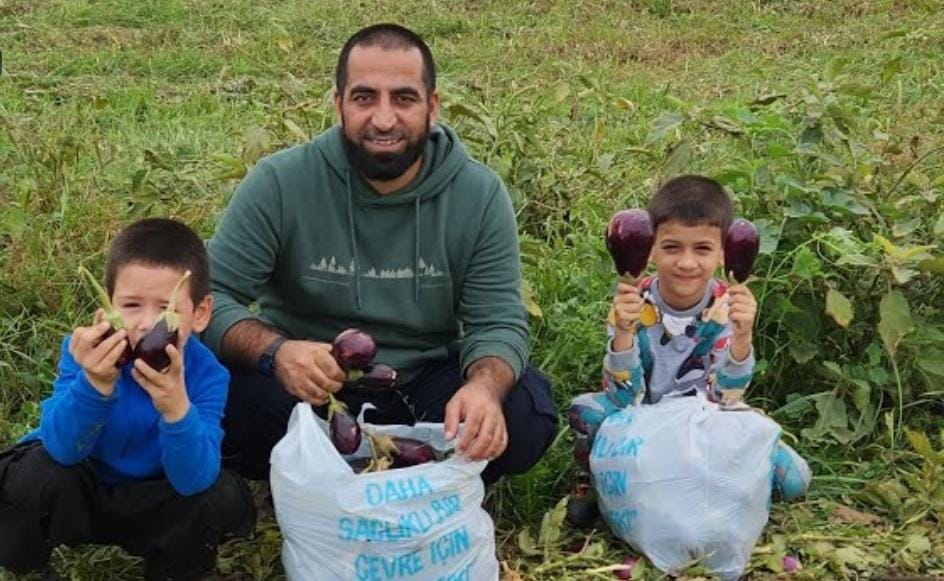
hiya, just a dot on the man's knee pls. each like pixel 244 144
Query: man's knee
pixel 531 417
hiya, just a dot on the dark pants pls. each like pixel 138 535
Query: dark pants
pixel 44 504
pixel 258 409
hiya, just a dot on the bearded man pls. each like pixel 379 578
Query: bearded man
pixel 386 224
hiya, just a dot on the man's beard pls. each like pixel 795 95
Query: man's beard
pixel 383 166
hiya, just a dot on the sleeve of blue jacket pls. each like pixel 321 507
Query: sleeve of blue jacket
pixel 72 418
pixel 191 446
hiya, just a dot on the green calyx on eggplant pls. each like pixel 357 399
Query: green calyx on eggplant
pixel 353 349
pixel 374 376
pixel 152 347
pixel 741 245
pixel 402 452
pixel 112 316
pixel 629 239
pixel 345 431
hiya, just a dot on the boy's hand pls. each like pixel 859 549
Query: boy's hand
pixel 742 310
pixel 166 388
pixel 627 307
pixel 97 357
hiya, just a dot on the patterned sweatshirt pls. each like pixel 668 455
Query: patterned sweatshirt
pixel 675 352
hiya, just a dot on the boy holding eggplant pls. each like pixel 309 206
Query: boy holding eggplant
pixel 680 332
pixel 127 451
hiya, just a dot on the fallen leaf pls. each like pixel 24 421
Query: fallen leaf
pixel 850 515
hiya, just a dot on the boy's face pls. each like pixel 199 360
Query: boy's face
pixel 686 258
pixel 141 295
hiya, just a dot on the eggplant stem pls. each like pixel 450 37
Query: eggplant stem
pixel 170 313
pixel 111 314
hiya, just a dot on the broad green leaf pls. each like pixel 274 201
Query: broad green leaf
pixel 256 143
pixel 902 229
pixel 895 320
pixel 834 68
pixel 931 361
pixel 678 160
pixel 769 235
pixel 861 395
pixel 939 227
pixel 933 265
pixel 551 524
pixel 806 265
pixel 839 307
pixel 530 300
pixel 802 351
pixel 890 68
pixel 661 127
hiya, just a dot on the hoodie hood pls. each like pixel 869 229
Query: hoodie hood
pixel 442 159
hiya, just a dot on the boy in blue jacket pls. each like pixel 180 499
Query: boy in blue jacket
pixel 678 333
pixel 129 455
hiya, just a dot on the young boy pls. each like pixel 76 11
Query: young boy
pixel 130 455
pixel 679 332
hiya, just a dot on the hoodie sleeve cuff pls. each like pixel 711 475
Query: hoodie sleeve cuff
pixel 621 360
pixel 90 398
pixel 736 373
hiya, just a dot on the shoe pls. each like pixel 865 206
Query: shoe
pixel 582 509
pixel 791 478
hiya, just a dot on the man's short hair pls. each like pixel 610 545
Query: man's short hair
pixel 160 242
pixel 692 200
pixel 388 37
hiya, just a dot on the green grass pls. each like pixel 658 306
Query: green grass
pixel 111 110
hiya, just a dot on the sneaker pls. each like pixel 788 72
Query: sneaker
pixel 792 476
pixel 582 509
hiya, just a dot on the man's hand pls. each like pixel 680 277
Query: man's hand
pixel 167 388
pixel 627 307
pixel 484 435
pixel 478 404
pixel 98 357
pixel 307 370
pixel 742 309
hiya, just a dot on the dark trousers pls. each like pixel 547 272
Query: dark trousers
pixel 44 504
pixel 258 409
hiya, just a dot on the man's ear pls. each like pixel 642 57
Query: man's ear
pixel 337 103
pixel 201 314
pixel 434 108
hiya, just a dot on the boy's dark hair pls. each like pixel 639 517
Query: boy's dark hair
pixel 694 201
pixel 387 37
pixel 160 242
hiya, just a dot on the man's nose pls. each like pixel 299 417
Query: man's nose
pixel 384 117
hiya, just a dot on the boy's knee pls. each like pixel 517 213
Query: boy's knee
pixel 231 505
pixel 38 471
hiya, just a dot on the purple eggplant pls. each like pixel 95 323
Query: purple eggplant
pixel 741 245
pixel 111 315
pixel 353 349
pixel 629 239
pixel 345 431
pixel 410 452
pixel 152 347
pixel 375 376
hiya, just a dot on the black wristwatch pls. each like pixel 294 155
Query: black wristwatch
pixel 266 365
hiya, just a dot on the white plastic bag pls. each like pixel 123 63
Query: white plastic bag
pixel 424 522
pixel 682 481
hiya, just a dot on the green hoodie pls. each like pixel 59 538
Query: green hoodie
pixel 318 250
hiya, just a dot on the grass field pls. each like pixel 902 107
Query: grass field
pixel 824 119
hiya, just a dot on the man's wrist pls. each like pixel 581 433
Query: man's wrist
pixel 494 373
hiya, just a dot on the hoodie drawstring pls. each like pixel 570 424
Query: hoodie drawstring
pixel 416 250
pixel 350 227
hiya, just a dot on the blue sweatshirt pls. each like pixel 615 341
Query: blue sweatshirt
pixel 124 435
